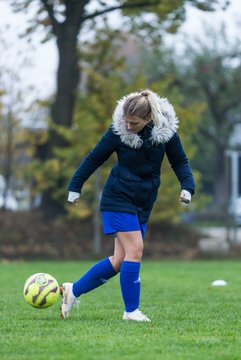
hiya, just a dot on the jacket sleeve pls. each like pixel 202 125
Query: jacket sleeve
pixel 96 157
pixel 180 164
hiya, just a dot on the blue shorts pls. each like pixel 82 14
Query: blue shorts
pixel 114 222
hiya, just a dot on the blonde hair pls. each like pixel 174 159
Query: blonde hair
pixel 142 105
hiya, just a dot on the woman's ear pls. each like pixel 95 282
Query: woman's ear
pixel 148 118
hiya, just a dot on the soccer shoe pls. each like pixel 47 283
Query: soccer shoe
pixel 68 299
pixel 136 315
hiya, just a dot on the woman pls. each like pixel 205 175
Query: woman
pixel 143 130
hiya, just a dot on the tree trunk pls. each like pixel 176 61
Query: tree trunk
pixel 68 76
pixel 220 180
pixel 9 159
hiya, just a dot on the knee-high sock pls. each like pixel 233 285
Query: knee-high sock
pixel 130 284
pixel 97 275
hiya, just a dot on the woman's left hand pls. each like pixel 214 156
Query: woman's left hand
pixel 185 197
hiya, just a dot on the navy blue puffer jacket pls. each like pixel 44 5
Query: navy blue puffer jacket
pixel 134 180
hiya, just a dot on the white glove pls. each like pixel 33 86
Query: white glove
pixel 73 196
pixel 185 197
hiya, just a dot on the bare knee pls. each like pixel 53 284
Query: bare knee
pixel 116 262
pixel 134 253
pixel 132 244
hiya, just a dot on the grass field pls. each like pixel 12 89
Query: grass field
pixel 190 319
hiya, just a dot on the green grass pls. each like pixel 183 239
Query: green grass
pixel 190 319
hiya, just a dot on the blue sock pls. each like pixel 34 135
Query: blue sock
pixel 97 275
pixel 130 284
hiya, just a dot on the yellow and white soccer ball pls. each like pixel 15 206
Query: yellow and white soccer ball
pixel 41 290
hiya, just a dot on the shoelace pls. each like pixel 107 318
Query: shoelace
pixel 145 317
pixel 75 302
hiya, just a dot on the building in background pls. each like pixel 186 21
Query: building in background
pixel 234 174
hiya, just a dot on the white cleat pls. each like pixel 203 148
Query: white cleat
pixel 135 315
pixel 66 291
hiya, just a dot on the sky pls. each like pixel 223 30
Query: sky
pixel 39 63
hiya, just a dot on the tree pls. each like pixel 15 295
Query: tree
pixel 108 77
pixel 211 73
pixel 207 73
pixel 16 136
pixel 15 145
pixel 66 20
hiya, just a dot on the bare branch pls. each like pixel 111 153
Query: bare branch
pixel 49 8
pixel 127 6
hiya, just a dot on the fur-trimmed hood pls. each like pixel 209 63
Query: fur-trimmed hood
pixel 168 123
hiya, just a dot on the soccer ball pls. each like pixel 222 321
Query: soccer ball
pixel 41 290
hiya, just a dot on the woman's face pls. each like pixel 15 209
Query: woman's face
pixel 134 123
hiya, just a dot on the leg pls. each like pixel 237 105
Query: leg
pixel 129 275
pixel 132 244
pixel 96 276
pixel 118 256
pixel 101 272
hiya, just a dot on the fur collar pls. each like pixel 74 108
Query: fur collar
pixel 168 124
